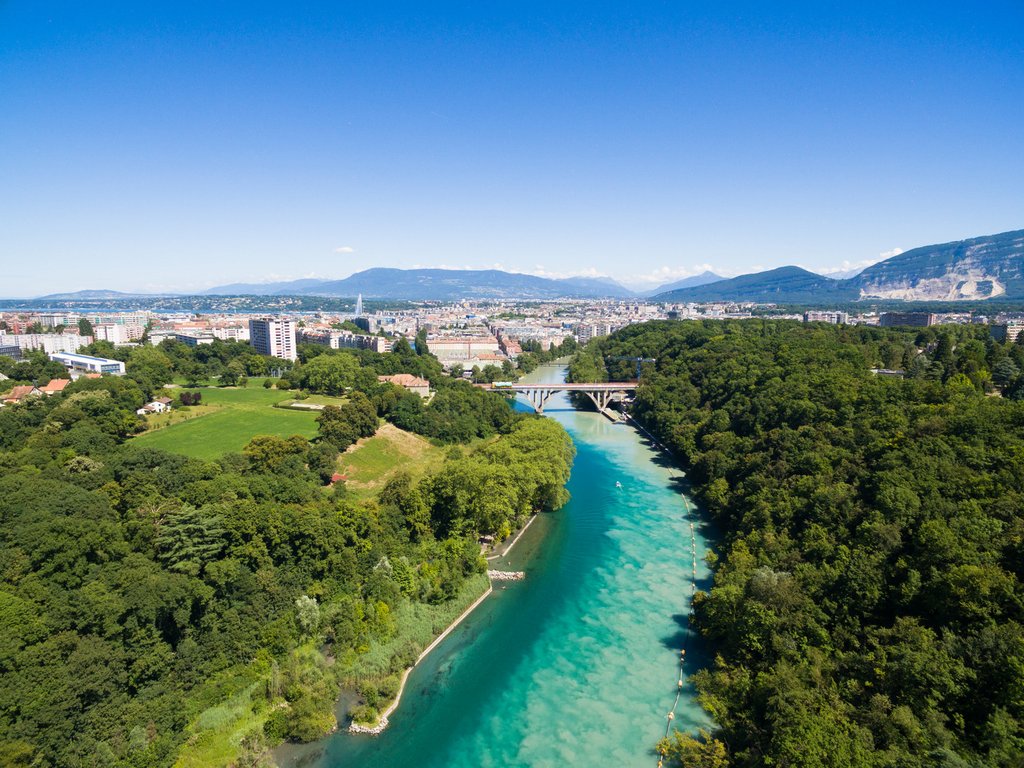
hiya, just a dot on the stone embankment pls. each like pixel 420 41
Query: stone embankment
pixel 374 730
pixel 506 575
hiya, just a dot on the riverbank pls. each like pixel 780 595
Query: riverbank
pixel 515 540
pixel 424 625
pixel 382 722
pixel 591 638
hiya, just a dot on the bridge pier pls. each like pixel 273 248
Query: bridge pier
pixel 538 398
pixel 601 394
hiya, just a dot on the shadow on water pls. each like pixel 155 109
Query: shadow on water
pixel 682 638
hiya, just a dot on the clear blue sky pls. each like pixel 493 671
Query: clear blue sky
pixel 180 145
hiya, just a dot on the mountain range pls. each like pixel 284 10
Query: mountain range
pixel 437 284
pixel 96 295
pixel 965 270
pixel 989 267
pixel 704 278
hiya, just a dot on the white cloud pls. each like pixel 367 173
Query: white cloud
pixel 663 275
pixel 844 267
pixel 540 270
pixel 345 249
pixel 847 268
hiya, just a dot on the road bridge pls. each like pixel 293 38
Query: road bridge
pixel 601 393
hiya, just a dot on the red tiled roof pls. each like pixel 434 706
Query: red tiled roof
pixel 56 385
pixel 19 392
pixel 405 380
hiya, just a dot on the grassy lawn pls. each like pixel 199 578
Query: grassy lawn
pixel 238 397
pixel 369 464
pixel 181 381
pixel 226 421
pixel 318 400
pixel 160 420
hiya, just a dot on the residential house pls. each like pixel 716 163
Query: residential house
pixel 20 393
pixel 55 386
pixel 160 405
pixel 412 383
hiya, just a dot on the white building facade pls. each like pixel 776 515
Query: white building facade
pixel 47 342
pixel 79 364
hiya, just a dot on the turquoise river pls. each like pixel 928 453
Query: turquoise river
pixel 578 664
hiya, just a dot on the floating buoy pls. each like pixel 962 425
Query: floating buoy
pixel 671 715
pixel 680 683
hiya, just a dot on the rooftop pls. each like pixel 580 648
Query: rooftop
pixel 81 358
pixel 405 380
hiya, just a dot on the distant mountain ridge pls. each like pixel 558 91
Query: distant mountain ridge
pixel 977 269
pixel 704 278
pixel 437 285
pixel 784 285
pixel 96 295
pixel 285 288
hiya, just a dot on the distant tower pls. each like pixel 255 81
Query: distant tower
pixel 359 305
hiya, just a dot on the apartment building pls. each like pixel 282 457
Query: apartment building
pixel 1009 331
pixel 274 336
pixel 47 342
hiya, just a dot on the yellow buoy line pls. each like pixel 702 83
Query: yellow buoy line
pixel 682 653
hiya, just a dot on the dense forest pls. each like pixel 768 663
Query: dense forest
pixel 155 605
pixel 867 607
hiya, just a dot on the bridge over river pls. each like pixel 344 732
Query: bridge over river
pixel 601 393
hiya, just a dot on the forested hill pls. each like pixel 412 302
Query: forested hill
pixel 868 606
pixel 978 269
pixel 160 610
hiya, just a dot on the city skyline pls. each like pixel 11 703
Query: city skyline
pixel 149 149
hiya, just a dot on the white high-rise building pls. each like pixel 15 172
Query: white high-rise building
pixel 274 336
pixel 113 332
pixel 47 342
pixel 359 305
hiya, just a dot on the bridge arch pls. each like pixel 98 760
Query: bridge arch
pixel 600 393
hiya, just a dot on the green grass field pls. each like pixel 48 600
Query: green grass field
pixel 232 418
pixel 316 400
pixel 369 464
